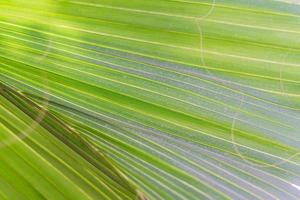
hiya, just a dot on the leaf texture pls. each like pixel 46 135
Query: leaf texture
pixel 189 99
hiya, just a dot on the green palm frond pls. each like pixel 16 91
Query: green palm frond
pixel 160 99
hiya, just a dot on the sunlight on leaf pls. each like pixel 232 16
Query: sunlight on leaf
pixel 160 99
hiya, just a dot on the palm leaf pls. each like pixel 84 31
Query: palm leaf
pixel 161 99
